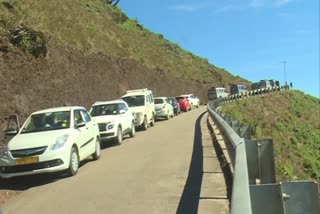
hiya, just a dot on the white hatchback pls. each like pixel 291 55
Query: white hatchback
pixel 51 140
pixel 114 118
pixel 163 108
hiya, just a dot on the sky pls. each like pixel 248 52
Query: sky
pixel 249 38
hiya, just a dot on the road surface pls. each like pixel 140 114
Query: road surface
pixel 158 171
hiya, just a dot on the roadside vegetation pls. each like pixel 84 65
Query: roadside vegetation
pixel 96 27
pixel 292 120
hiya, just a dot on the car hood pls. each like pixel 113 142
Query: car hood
pixel 136 109
pixel 105 119
pixel 35 139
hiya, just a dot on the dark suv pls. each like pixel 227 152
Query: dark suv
pixel 175 104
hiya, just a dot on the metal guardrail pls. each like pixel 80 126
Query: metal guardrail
pixel 254 189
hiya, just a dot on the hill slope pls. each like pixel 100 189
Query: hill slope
pixel 291 119
pixel 78 51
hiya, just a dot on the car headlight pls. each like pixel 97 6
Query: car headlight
pixel 60 141
pixel 5 152
pixel 110 126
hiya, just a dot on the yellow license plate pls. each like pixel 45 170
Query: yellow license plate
pixel 28 160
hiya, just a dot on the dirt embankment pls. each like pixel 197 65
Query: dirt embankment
pixel 69 77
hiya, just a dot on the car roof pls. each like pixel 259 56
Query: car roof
pixel 160 98
pixel 64 108
pixel 108 102
pixel 186 95
pixel 136 92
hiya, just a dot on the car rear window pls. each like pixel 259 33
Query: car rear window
pixel 158 101
pixel 180 98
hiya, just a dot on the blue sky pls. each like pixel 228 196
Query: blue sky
pixel 249 38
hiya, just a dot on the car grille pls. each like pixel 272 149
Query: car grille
pixel 31 167
pixel 28 152
pixel 102 127
pixel 107 135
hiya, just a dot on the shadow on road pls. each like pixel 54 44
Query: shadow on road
pixel 22 183
pixel 189 200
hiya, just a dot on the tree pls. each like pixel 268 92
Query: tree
pixel 113 2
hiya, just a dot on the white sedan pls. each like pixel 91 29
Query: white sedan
pixel 163 108
pixel 51 140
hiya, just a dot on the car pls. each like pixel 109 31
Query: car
pixel 184 103
pixel 163 108
pixel 175 104
pixel 51 140
pixel 217 92
pixel 114 119
pixel 141 103
pixel 193 100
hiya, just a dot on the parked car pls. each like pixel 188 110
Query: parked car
pixel 51 140
pixel 217 92
pixel 114 119
pixel 184 103
pixel 193 100
pixel 141 103
pixel 175 104
pixel 163 108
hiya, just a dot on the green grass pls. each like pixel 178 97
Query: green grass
pixel 292 120
pixel 91 26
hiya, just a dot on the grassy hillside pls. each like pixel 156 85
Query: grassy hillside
pixel 92 27
pixel 292 119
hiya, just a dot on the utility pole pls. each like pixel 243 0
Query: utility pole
pixel 284 71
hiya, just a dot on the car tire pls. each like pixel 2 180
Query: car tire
pixel 97 154
pixel 153 120
pixel 145 123
pixel 167 116
pixel 118 139
pixel 74 162
pixel 133 130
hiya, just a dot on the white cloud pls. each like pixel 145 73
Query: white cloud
pixel 228 5
pixel 268 3
pixel 189 7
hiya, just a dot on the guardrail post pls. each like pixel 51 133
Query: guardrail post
pixel 245 132
pixel 300 197
pixel 260 159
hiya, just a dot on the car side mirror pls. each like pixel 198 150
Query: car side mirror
pixel 122 111
pixel 80 124
pixel 11 132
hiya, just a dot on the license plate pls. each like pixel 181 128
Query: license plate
pixel 28 160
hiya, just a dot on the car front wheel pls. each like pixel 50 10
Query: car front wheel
pixel 74 162
pixel 96 155
pixel 133 130
pixel 152 120
pixel 145 123
pixel 119 136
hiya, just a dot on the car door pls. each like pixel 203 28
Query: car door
pixel 89 145
pixel 125 117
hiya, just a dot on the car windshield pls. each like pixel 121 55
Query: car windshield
pixel 158 101
pixel 134 100
pixel 47 122
pixel 102 110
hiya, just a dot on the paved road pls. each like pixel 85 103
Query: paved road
pixel 146 174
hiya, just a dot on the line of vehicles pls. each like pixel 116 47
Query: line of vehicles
pixel 241 89
pixel 58 139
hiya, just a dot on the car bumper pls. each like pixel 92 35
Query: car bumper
pixel 107 135
pixel 161 113
pixel 48 162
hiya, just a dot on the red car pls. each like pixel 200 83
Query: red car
pixel 184 103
